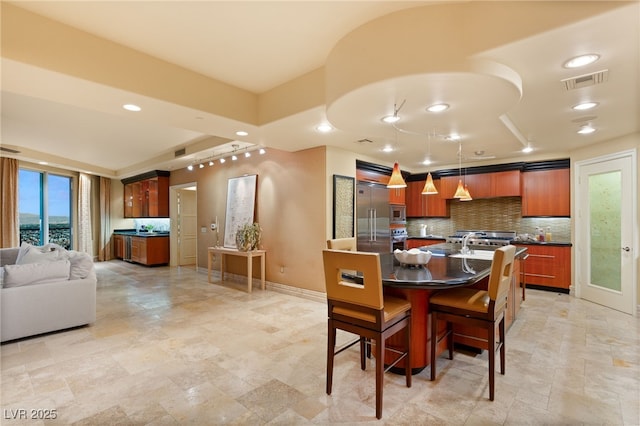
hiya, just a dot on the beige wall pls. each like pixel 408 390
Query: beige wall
pixel 625 143
pixel 290 207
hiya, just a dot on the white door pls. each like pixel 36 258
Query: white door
pixel 187 227
pixel 606 255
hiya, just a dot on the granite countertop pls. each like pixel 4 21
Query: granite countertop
pixel 543 243
pixel 134 233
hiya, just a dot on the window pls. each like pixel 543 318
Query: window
pixel 44 201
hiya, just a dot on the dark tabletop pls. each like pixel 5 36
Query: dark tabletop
pixel 441 272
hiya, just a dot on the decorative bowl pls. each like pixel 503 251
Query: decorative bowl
pixel 412 256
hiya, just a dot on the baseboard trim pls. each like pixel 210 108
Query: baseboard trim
pixel 277 287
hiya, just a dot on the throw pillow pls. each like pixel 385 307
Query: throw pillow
pixel 36 273
pixel 81 264
pixel 35 255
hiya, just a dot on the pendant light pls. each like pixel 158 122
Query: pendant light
pixel 460 191
pixel 429 187
pixel 396 180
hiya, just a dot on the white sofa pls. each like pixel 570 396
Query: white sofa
pixel 47 290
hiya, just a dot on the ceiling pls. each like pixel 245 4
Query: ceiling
pixel 504 83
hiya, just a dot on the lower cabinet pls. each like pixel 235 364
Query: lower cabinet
pixel 118 246
pixel 419 242
pixel 143 250
pixel 547 266
pixel 150 250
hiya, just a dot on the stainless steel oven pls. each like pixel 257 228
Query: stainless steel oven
pixel 398 214
pixel 398 239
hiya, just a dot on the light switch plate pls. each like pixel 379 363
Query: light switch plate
pixel 203 229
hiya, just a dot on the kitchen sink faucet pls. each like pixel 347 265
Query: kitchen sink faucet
pixel 465 243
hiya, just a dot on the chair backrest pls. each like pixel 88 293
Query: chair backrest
pixel 501 273
pixel 369 293
pixel 342 244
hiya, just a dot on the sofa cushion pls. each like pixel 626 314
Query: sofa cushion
pixel 36 273
pixel 33 254
pixel 81 264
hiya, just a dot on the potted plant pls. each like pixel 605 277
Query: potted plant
pixel 248 237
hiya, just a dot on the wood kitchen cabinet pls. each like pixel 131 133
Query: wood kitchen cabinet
pixel 484 185
pixel 546 193
pixel 419 242
pixel 150 250
pixel 118 246
pixel 548 266
pixel 397 196
pixel 419 205
pixel 147 196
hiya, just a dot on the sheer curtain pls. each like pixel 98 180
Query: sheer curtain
pixel 9 221
pixel 85 237
pixel 105 251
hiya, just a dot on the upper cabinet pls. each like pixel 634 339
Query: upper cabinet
pixel 419 205
pixel 147 195
pixel 397 196
pixel 484 185
pixel 546 193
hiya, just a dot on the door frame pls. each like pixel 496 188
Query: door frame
pixel 580 240
pixel 173 236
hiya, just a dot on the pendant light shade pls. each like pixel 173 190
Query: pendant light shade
pixel 460 193
pixel 396 180
pixel 429 187
pixel 467 195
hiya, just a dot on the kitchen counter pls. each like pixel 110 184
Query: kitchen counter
pixel 543 243
pixel 134 233
pixel 427 237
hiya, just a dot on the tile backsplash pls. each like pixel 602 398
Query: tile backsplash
pixel 496 214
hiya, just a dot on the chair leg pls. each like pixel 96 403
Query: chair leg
pixel 502 347
pixel 380 343
pixel 364 349
pixel 434 343
pixel 407 360
pixel 492 360
pixel 331 348
pixel 450 339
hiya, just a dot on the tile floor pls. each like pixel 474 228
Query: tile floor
pixel 169 348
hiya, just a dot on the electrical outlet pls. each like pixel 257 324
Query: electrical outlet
pixel 203 229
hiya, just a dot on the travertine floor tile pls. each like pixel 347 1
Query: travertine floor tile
pixel 168 348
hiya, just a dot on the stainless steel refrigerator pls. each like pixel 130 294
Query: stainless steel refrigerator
pixel 372 208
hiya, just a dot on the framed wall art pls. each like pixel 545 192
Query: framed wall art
pixel 343 206
pixel 241 201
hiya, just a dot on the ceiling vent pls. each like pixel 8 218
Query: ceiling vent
pixel 180 152
pixel 12 151
pixel 586 80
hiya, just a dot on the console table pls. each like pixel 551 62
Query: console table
pixel 224 251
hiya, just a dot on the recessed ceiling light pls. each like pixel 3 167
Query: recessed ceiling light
pixel 437 107
pixel 44 163
pixel 387 149
pixel 391 118
pixel 324 128
pixel 426 162
pixel 453 137
pixel 527 149
pixel 586 129
pixel 581 61
pixel 241 133
pixel 585 105
pixel 131 107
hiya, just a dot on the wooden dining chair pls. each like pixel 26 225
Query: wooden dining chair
pixel 476 308
pixel 360 308
pixel 342 244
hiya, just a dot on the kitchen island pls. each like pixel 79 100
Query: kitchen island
pixel 416 284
